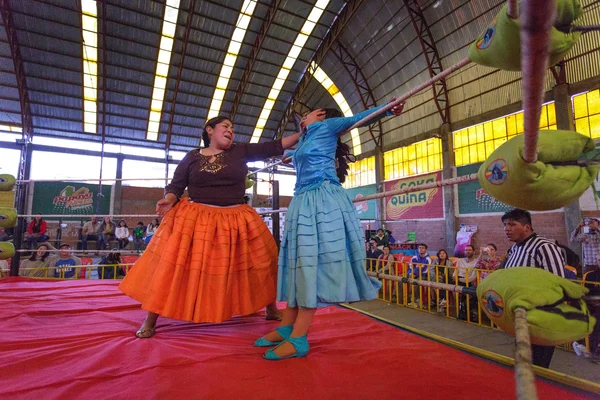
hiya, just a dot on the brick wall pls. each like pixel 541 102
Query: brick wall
pixel 490 229
pixel 139 200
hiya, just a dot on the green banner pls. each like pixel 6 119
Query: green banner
pixel 69 198
pixel 365 209
pixel 472 199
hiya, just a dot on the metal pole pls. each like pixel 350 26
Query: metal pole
pixel 275 216
pixel 414 91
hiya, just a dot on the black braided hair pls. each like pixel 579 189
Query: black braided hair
pixel 212 123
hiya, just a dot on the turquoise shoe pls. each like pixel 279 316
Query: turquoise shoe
pixel 299 343
pixel 284 332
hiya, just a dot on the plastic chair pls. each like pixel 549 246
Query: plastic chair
pixel 82 270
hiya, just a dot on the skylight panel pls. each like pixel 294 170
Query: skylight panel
pixel 167 39
pixel 89 34
pixel 289 62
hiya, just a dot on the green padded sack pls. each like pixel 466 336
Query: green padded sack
pixel 7 250
pixel 499 46
pixel 7 182
pixel 249 183
pixel 539 186
pixel 8 217
pixel 556 313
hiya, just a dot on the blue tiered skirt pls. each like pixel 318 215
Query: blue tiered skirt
pixel 321 260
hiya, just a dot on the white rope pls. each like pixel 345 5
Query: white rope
pixel 117 216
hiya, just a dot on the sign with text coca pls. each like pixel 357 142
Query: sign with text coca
pixel 424 204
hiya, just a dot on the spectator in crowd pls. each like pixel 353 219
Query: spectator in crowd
pixel 108 230
pixel 36 266
pixel 36 232
pixel 588 235
pixel 465 273
pixel 391 238
pixel 385 261
pixel 106 269
pixel 62 266
pixel 419 269
pixel 488 260
pixel 91 231
pixel 151 229
pixel 381 239
pixel 531 250
pixel 373 254
pixel 4 269
pixel 571 258
pixel 594 306
pixel 444 272
pixel 122 234
pixel 386 264
pixel 138 236
pixel 4 236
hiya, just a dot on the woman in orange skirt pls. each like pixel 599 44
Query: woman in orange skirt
pixel 212 257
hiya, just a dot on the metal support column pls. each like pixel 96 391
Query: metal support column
pixel 449 191
pixel 276 234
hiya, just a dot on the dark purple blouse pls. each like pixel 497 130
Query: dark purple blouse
pixel 222 182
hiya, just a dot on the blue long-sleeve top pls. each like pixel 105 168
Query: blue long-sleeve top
pixel 314 158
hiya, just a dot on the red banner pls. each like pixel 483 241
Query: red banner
pixel 425 204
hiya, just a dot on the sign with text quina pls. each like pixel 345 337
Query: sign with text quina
pixel 424 204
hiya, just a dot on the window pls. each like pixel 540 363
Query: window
pixel 476 143
pixel 361 173
pixel 9 161
pixel 146 170
pixel 286 184
pixel 586 108
pixel 415 159
pixel 49 165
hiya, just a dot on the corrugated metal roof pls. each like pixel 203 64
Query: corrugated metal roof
pixel 380 37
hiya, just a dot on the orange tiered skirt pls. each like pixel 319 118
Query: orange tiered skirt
pixel 206 264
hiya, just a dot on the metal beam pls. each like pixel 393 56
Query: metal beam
pixel 332 35
pixel 434 63
pixel 26 124
pixel 559 71
pixel 258 42
pixel 362 86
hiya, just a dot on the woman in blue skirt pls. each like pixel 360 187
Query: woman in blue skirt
pixel 321 260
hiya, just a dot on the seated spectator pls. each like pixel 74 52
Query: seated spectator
pixel 108 230
pixel 138 236
pixel 91 231
pixel 419 269
pixel 465 273
pixel 570 257
pixel 106 269
pixel 488 260
pixel 62 266
pixel 381 239
pixel 36 232
pixel 391 239
pixel 36 266
pixel 594 306
pixel 4 269
pixel 151 229
pixel 373 254
pixel 4 236
pixel 385 262
pixel 122 234
pixel 444 272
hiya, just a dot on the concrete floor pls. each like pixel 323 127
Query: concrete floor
pixel 488 339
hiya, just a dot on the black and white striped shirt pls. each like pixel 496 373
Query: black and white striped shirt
pixel 539 252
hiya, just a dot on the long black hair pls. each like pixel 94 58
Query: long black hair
pixel 212 123
pixel 343 156
pixel 34 254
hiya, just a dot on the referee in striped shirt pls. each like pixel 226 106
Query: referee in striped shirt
pixel 531 250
